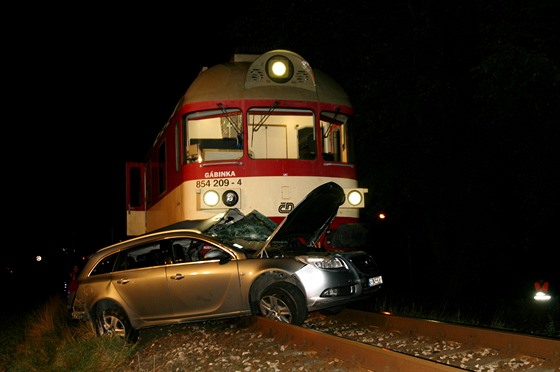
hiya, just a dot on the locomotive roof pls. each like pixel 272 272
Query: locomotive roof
pixel 244 78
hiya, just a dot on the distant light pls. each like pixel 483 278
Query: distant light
pixel 381 216
pixel 541 296
pixel 38 258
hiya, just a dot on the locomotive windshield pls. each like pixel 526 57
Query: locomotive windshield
pixel 273 133
pixel 213 135
pixel 290 134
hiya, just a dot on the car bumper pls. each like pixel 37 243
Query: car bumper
pixel 327 288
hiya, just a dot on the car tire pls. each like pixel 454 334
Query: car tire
pixel 114 322
pixel 332 310
pixel 283 302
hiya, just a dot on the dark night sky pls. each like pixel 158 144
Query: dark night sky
pixel 86 95
pixel 466 177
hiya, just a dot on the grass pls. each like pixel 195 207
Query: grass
pixel 47 340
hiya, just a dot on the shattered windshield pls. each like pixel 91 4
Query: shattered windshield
pixel 246 232
pixel 250 233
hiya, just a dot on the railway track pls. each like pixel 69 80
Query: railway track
pixel 349 341
pixel 381 342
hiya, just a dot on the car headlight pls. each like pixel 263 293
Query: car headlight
pixel 329 262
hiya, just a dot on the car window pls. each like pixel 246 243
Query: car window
pixel 145 255
pixel 191 250
pixel 199 249
pixel 180 249
pixel 104 266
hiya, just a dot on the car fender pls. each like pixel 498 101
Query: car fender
pixel 256 275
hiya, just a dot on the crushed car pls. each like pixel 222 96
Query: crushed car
pixel 231 265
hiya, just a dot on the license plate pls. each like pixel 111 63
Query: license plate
pixel 377 280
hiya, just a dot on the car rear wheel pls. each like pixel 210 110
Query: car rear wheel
pixel 283 302
pixel 114 322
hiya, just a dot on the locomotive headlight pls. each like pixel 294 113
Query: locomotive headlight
pixel 211 198
pixel 355 197
pixel 279 69
pixel 230 198
pixel 218 198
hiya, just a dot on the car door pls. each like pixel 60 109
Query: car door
pixel 205 287
pixel 140 280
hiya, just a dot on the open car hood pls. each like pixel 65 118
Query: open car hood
pixel 310 218
pixel 305 224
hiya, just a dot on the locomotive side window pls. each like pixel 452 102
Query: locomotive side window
pixel 334 137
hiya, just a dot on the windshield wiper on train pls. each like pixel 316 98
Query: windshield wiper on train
pixel 263 119
pixel 328 132
pixel 226 114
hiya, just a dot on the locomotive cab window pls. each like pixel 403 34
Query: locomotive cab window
pixel 281 134
pixel 213 135
pixel 334 130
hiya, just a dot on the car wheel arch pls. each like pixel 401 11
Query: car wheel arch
pixel 283 301
pixel 117 313
pixel 265 280
pixel 104 305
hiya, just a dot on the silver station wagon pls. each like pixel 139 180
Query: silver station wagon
pixel 228 266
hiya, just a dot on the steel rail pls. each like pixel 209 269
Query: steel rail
pixel 473 348
pixel 359 354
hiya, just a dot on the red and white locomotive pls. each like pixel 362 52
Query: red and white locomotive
pixel 256 133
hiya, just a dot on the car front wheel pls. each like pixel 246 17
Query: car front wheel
pixel 283 302
pixel 114 322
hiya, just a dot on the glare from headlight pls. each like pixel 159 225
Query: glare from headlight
pixel 355 197
pixel 211 198
pixel 541 296
pixel 329 262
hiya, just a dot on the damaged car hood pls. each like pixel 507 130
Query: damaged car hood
pixel 303 227
pixel 310 218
